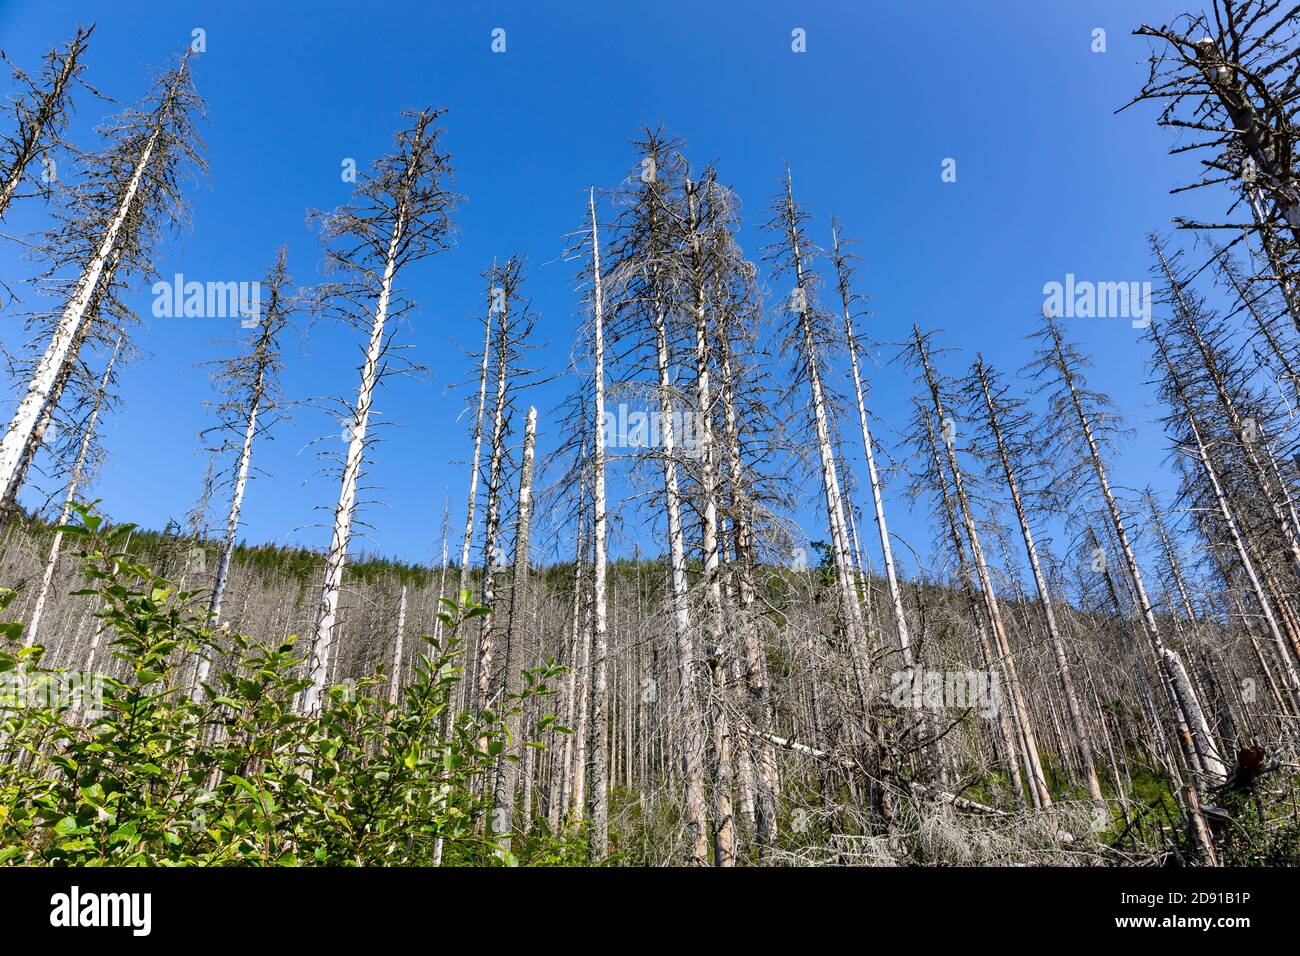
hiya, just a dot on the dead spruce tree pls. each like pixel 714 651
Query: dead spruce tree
pixel 515 324
pixel 506 776
pixel 81 468
pixel 108 317
pixel 1228 77
pixel 1077 424
pixel 1013 455
pixel 251 402
pixel 746 499
pixel 1241 426
pixel 708 208
pixel 1184 422
pixel 472 501
pixel 41 110
pixel 115 215
pixel 810 335
pixel 401 213
pixel 842 259
pixel 1277 359
pixel 1206 344
pixel 590 431
pixel 942 406
pixel 645 272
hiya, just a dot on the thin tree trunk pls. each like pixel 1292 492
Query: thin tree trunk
pixel 1020 710
pixel 395 679
pixel 22 427
pixel 600 626
pixel 31 631
pixel 508 770
pixel 1082 744
pixel 327 613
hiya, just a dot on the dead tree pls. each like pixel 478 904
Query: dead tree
pixel 1078 421
pixel 645 264
pixel 1006 421
pixel 1228 77
pixel 41 109
pixel 251 401
pixel 919 351
pixel 810 335
pixel 842 259
pixel 130 191
pixel 79 472
pixel 507 769
pixel 401 213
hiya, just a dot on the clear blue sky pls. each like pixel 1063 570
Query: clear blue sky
pixel 1049 182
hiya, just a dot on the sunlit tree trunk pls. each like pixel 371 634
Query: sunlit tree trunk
pixel 32 629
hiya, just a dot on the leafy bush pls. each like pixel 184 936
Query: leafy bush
pixel 159 772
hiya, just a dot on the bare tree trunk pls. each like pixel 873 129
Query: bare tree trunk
pixel 830 477
pixel 1020 711
pixel 994 662
pixel 877 497
pixel 14 445
pixel 395 679
pixel 478 446
pixel 1262 599
pixel 724 833
pixel 232 520
pixel 327 614
pixel 507 770
pixel 442 577
pixel 1186 704
pixel 1080 731
pixel 600 626
pixel 688 692
pixel 31 631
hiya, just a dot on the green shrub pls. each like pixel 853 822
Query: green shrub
pixel 161 773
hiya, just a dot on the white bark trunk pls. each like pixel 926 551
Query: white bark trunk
pixel 32 629
pixel 600 625
pixel 395 680
pixel 14 445
pixel 336 559
pixel 507 770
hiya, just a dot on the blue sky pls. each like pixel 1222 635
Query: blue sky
pixel 1049 182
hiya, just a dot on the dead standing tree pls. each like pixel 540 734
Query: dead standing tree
pixel 1079 420
pixel 41 110
pixel 515 324
pixel 81 467
pixel 113 219
pixel 1230 77
pixel 810 336
pixel 401 214
pixel 1184 420
pixel 251 403
pixel 644 274
pixel 942 406
pixel 1012 455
